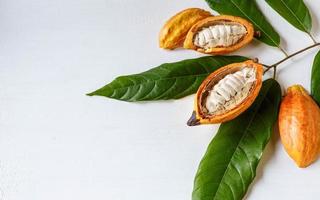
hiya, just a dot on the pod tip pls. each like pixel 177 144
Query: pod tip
pixel 193 121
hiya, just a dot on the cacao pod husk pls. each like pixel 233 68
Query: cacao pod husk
pixel 201 115
pixel 299 126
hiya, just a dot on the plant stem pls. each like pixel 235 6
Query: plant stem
pixel 296 53
pixel 274 72
pixel 289 56
pixel 266 66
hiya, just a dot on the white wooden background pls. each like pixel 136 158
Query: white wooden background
pixel 57 143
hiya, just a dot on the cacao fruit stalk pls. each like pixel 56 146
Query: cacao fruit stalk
pixel 299 126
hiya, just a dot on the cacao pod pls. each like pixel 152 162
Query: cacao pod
pixel 226 93
pixel 219 34
pixel 299 126
pixel 173 33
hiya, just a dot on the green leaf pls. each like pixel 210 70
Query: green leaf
pixel 315 79
pixel 167 81
pixel 249 10
pixel 229 165
pixel 294 11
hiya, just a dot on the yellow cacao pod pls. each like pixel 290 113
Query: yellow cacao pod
pixel 299 126
pixel 174 31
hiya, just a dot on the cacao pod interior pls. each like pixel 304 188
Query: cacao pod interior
pixel 201 115
pixel 189 41
pixel 202 108
pixel 220 22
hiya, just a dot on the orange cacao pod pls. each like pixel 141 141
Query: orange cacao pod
pixel 226 93
pixel 299 126
pixel 219 34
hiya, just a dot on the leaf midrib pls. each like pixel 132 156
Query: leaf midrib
pixel 160 79
pixel 255 23
pixel 295 16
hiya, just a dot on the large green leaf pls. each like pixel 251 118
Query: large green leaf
pixel 230 163
pixel 315 78
pixel 294 11
pixel 249 10
pixel 167 81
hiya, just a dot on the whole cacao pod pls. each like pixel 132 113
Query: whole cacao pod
pixel 173 33
pixel 299 126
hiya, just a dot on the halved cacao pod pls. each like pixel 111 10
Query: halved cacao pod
pixel 226 93
pixel 173 33
pixel 219 35
pixel 299 126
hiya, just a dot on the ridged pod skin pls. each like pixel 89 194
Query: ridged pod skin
pixel 173 33
pixel 299 126
pixel 200 117
pixel 189 41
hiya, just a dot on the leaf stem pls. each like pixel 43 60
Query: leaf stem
pixel 290 56
pixel 312 38
pixel 283 51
